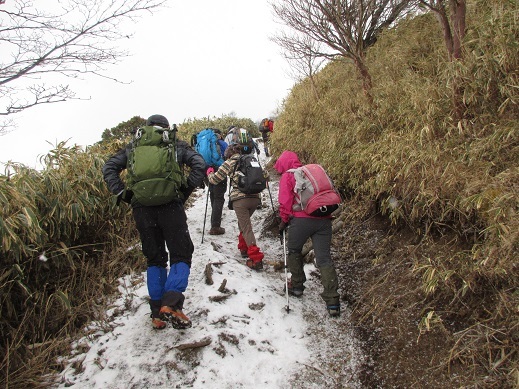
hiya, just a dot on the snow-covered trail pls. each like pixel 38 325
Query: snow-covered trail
pixel 242 337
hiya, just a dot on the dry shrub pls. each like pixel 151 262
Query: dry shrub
pixel 422 168
pixel 192 126
pixel 57 226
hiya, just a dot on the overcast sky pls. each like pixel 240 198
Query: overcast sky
pixel 194 59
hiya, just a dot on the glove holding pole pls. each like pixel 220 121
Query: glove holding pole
pixel 124 195
pixel 282 229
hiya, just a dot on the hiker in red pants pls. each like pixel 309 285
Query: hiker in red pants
pixel 243 205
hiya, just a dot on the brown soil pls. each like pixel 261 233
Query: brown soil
pixel 374 262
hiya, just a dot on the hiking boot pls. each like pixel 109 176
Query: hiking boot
pixel 296 292
pixel 258 265
pixel 334 310
pixel 176 317
pixel 217 231
pixel 244 254
pixel 157 323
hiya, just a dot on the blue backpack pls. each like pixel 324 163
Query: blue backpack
pixel 206 144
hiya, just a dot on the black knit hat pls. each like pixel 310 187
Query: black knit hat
pixel 157 120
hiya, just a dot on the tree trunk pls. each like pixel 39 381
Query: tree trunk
pixel 367 84
pixel 441 14
pixel 458 12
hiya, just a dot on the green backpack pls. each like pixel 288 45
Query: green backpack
pixel 154 175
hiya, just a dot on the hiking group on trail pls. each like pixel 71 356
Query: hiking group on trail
pixel 156 188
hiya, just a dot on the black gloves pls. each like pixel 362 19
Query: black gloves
pixel 186 192
pixel 282 228
pixel 126 196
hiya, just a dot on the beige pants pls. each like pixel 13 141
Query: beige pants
pixel 244 208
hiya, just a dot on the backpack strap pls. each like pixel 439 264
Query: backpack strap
pixel 238 162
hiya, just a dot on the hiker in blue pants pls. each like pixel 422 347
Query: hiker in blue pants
pixel 162 226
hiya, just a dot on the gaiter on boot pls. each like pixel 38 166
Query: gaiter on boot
pixel 330 285
pixel 155 308
pixel 242 245
pixel 254 253
pixel 156 278
pixel 295 265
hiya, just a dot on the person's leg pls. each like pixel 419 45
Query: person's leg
pixel 321 242
pixel 242 245
pixel 241 218
pixel 173 222
pixel 244 208
pixel 295 263
pixel 265 136
pixel 217 202
pixel 153 248
pixel 299 230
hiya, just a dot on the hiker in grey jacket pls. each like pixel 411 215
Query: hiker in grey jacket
pixel 162 226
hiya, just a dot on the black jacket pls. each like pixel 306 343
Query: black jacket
pixel 185 155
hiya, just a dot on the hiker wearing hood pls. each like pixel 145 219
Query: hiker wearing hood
pixel 299 227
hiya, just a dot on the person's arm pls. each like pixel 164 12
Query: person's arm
pixel 286 196
pixel 112 170
pixel 224 171
pixel 189 157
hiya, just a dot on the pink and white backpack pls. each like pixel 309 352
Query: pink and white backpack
pixel 314 190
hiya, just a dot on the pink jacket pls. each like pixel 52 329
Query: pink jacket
pixel 287 160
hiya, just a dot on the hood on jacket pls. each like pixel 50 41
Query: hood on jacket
pixel 287 160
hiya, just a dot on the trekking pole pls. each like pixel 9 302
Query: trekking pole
pixel 205 214
pixel 270 194
pixel 287 308
pixel 268 186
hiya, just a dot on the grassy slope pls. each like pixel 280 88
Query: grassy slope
pixel 451 186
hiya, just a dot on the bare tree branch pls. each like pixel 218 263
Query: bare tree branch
pixel 68 38
pixel 300 52
pixel 344 28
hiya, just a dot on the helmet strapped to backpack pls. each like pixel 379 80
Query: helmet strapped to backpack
pixel 241 137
